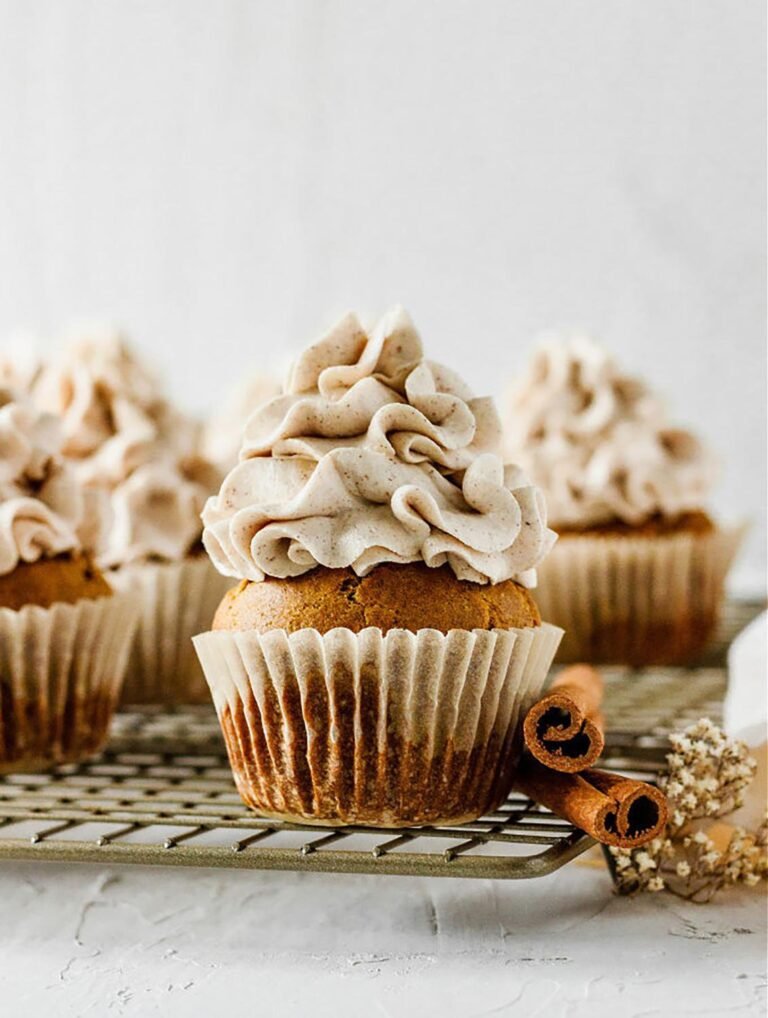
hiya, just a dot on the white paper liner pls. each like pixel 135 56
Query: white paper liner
pixel 61 669
pixel 178 600
pixel 640 600
pixel 392 729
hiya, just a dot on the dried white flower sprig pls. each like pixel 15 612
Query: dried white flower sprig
pixel 705 781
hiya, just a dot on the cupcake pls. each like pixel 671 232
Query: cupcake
pixel 637 575
pixel 65 637
pixel 139 461
pixel 223 431
pixel 373 661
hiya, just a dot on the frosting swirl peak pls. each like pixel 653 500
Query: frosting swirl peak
pixel 374 454
pixel 599 442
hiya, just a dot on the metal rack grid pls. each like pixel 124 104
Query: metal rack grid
pixel 162 793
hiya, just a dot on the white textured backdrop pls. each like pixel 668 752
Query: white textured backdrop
pixel 223 177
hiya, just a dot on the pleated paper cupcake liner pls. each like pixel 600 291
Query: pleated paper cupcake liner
pixel 178 600
pixel 636 600
pixel 61 670
pixel 391 729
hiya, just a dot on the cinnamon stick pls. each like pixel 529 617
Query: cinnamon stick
pixel 642 807
pixel 612 809
pixel 564 730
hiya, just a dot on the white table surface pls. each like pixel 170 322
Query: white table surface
pixel 87 940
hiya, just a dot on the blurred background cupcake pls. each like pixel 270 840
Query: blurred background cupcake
pixel 20 363
pixel 223 431
pixel 140 463
pixel 373 661
pixel 639 568
pixel 64 636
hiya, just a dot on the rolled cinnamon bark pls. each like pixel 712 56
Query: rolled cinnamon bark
pixel 611 809
pixel 642 807
pixel 564 730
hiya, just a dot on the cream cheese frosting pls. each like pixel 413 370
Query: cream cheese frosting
pixel 374 454
pixel 41 503
pixel 129 444
pixel 599 443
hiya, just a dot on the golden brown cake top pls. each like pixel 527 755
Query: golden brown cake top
pixel 409 597
pixel 67 578
pixel 374 454
pixel 695 522
pixel 599 443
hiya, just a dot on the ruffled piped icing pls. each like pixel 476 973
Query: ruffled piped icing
pixel 599 443
pixel 41 503
pixel 131 447
pixel 374 454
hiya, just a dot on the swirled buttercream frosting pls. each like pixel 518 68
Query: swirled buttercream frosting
pixel 599 443
pixel 131 446
pixel 41 503
pixel 374 454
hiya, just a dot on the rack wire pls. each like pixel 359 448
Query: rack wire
pixel 162 794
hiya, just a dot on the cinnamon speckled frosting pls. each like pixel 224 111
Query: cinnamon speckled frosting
pixel 599 443
pixel 131 446
pixel 374 454
pixel 41 503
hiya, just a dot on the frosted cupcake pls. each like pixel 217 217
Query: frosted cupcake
pixel 139 460
pixel 64 635
pixel 638 572
pixel 373 661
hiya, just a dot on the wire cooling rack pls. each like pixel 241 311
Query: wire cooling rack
pixel 162 794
